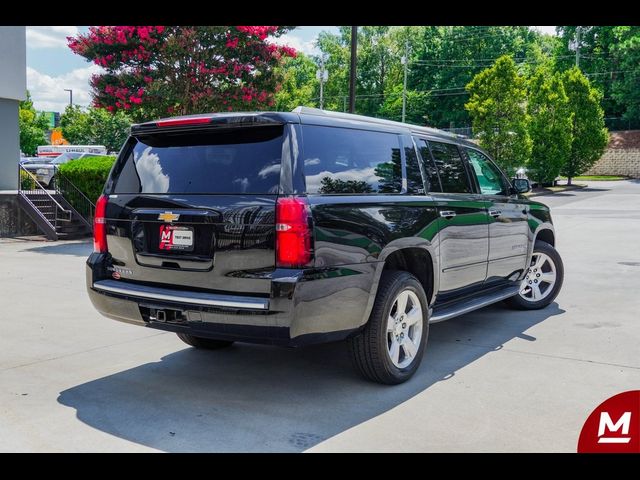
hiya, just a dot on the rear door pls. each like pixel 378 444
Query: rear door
pixel 508 228
pixel 196 209
pixel 463 224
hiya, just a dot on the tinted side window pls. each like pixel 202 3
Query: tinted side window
pixel 490 179
pixel 429 167
pixel 414 177
pixel 340 160
pixel 450 167
pixel 234 161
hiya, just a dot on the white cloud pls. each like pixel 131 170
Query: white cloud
pixel 49 37
pixel 48 92
pixel 292 40
pixel 550 30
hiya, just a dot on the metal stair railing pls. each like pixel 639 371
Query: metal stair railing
pixel 29 189
pixel 74 196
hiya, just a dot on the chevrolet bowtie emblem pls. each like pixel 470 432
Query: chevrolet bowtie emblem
pixel 169 217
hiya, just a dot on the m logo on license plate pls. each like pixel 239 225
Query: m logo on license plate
pixel 176 238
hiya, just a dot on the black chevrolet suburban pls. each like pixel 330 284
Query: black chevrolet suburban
pixel 314 226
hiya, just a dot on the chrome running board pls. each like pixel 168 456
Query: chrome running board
pixel 472 304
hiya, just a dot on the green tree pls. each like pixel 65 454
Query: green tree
pixel 33 127
pixel 597 59
pixel 95 126
pixel 625 89
pixel 447 58
pixel 550 125
pixel 416 108
pixel 299 84
pixel 74 123
pixel 442 60
pixel 497 106
pixel 589 135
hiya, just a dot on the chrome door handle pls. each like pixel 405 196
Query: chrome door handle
pixel 447 213
pixel 495 213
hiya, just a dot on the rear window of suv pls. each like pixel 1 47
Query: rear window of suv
pixel 349 161
pixel 234 161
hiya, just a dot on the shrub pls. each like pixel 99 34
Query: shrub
pixel 89 174
pixel 26 181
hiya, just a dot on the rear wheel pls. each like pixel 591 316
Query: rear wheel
pixel 391 346
pixel 205 343
pixel 543 279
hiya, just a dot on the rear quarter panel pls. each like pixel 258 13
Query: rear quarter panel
pixel 353 236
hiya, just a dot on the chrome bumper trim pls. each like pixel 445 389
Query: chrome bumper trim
pixel 170 295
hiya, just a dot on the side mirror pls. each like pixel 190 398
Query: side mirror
pixel 521 185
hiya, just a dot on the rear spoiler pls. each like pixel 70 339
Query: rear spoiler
pixel 195 122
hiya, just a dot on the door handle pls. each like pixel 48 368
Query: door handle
pixel 495 213
pixel 447 213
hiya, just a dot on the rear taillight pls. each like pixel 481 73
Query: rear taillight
pixel 293 233
pixel 100 226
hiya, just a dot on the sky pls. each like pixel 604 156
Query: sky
pixel 52 67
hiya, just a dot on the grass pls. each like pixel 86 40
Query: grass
pixel 597 178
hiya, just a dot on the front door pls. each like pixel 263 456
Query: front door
pixel 508 230
pixel 463 222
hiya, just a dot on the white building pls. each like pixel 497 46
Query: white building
pixel 13 88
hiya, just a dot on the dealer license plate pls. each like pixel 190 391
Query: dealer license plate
pixel 176 238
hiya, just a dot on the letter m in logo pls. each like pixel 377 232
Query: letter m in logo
pixel 606 424
pixel 165 236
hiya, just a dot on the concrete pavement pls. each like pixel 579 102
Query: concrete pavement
pixel 492 380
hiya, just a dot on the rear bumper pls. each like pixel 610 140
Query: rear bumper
pixel 303 307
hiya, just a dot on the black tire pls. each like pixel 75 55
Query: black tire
pixel 204 343
pixel 519 303
pixel 369 349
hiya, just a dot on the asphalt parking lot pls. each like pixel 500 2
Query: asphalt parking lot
pixel 492 380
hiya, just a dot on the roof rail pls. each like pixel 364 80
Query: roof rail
pixel 363 118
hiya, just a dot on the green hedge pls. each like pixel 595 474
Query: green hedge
pixel 88 174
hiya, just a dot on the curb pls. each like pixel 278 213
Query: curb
pixel 541 194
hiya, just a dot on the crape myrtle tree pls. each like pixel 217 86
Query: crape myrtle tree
pixel 155 71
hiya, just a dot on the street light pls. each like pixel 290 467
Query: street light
pixel 322 75
pixel 70 95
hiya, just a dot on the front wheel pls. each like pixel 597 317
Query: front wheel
pixel 543 279
pixel 391 346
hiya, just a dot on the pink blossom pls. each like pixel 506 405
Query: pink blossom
pixel 232 42
pixel 288 51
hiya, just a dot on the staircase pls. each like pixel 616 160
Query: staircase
pixel 53 214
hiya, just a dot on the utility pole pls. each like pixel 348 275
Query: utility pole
pixel 70 95
pixel 405 62
pixel 578 47
pixel 322 75
pixel 352 73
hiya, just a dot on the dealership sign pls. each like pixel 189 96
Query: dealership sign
pixel 613 427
